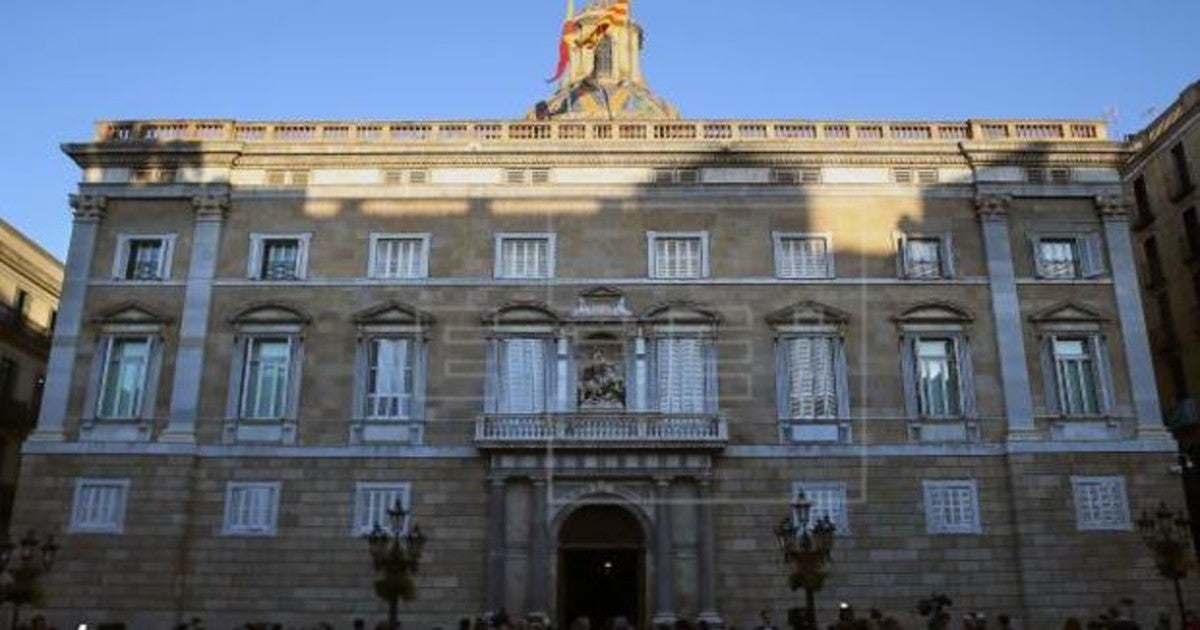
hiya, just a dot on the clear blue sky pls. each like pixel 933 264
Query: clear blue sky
pixel 66 63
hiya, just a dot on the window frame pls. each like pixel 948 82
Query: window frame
pixel 1085 524
pixel 1100 367
pixel 268 529
pixel 945 249
pixel 357 527
pixel 784 389
pixel 498 241
pixel 258 243
pixel 652 238
pixel 840 510
pixel 1088 246
pixel 145 399
pixel 375 238
pixel 415 365
pixel 935 525
pixel 778 238
pixel 125 242
pixel 910 367
pixel 289 384
pixel 121 512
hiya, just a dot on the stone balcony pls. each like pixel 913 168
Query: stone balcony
pixel 602 429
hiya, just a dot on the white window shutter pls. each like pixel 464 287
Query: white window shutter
pixel 491 370
pixel 710 377
pixel 966 380
pixel 908 371
pixel 946 248
pixel 237 369
pixel 1035 253
pixel 783 390
pixel 1091 255
pixel 841 378
pixel 420 361
pixel 295 363
pixel 1103 366
pixel 1049 375
pixel 362 355
pixel 150 382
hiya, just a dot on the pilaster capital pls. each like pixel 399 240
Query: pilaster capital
pixel 89 208
pixel 211 206
pixel 1112 208
pixel 992 207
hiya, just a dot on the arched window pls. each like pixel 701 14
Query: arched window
pixel 604 59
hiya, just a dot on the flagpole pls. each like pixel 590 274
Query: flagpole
pixel 566 80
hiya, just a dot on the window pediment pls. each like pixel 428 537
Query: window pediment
pixel 601 303
pixel 131 314
pixel 679 312
pixel 934 312
pixel 808 313
pixel 394 313
pixel 272 313
pixel 1068 312
pixel 522 314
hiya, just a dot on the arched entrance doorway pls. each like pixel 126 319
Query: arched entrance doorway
pixel 601 566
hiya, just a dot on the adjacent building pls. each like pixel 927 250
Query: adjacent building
pixel 30 279
pixel 596 352
pixel 1161 180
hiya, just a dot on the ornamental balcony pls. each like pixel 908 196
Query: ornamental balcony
pixel 602 429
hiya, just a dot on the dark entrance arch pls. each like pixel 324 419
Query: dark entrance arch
pixel 601 566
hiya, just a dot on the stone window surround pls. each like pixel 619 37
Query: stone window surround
pixel 426 239
pixel 117 526
pixel 273 490
pixel 498 239
pixel 274 321
pixel 392 319
pixel 777 237
pixel 1114 483
pixel 945 253
pixel 652 238
pixel 930 487
pixel 942 320
pixel 257 242
pixel 121 257
pixel 128 320
pixel 1085 240
pixel 360 528
pixel 1069 319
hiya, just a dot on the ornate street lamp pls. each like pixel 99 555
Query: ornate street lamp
pixel 22 566
pixel 807 552
pixel 396 555
pixel 1166 534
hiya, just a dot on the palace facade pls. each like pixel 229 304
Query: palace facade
pixel 596 353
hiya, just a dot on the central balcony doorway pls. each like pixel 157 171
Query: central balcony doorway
pixel 602 567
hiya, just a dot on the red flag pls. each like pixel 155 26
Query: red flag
pixel 564 49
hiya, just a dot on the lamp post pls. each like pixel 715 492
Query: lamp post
pixel 23 565
pixel 395 555
pixel 806 549
pixel 1166 534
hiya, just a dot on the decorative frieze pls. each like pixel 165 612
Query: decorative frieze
pixel 211 206
pixel 992 207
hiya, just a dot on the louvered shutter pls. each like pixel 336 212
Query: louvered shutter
pixel 150 381
pixel 783 389
pixel 966 369
pixel 841 379
pixel 946 250
pixel 908 372
pixel 681 367
pixel 1103 367
pixel 1049 375
pixel 523 376
pixel 1035 253
pixel 1091 255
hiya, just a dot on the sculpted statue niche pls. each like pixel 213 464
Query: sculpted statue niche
pixel 601 373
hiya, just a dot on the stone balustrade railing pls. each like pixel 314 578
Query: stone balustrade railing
pixel 602 428
pixel 606 131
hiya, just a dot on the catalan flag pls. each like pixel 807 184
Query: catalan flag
pixel 617 14
pixel 564 43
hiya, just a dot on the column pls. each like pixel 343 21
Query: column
pixel 663 566
pixel 992 212
pixel 193 327
pixel 539 553
pixel 1129 311
pixel 707 561
pixel 496 510
pixel 89 212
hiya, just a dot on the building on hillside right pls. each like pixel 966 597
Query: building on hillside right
pixel 1161 178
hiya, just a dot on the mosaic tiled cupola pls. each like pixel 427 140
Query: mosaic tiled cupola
pixel 604 80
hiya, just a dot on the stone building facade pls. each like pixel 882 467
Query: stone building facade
pixel 30 279
pixel 596 354
pixel 1161 178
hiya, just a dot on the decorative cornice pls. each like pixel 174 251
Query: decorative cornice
pixel 992 207
pixel 211 206
pixel 88 208
pixel 1111 208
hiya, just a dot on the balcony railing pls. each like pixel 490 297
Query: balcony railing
pixel 432 132
pixel 599 429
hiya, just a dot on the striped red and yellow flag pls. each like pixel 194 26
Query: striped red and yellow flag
pixel 617 14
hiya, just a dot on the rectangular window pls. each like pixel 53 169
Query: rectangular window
pixel 675 255
pixel 803 256
pixel 266 378
pixel 1058 258
pixel 123 378
pixel 1166 318
pixel 923 257
pixel 1075 374
pixel 951 507
pixel 1154 268
pixel 828 501
pixel 523 375
pixel 938 391
pixel 278 256
pixel 372 501
pixel 21 302
pixel 1183 171
pixel 251 508
pixel 143 257
pixel 525 256
pixel 1141 201
pixel 99 506
pixel 681 374
pixel 1100 503
pixel 1191 232
pixel 812 382
pixel 390 378
pixel 399 256
pixel 8 379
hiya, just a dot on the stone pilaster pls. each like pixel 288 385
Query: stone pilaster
pixel 88 213
pixel 707 599
pixel 539 553
pixel 496 508
pixel 1115 217
pixel 992 212
pixel 664 606
pixel 193 328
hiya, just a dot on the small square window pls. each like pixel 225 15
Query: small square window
pixel 803 256
pixel 676 255
pixel 143 257
pixel 99 506
pixel 398 256
pixel 828 501
pixel 1058 258
pixel 251 508
pixel 278 257
pixel 951 507
pixel 372 501
pixel 923 257
pixel 524 256
pixel 1100 503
